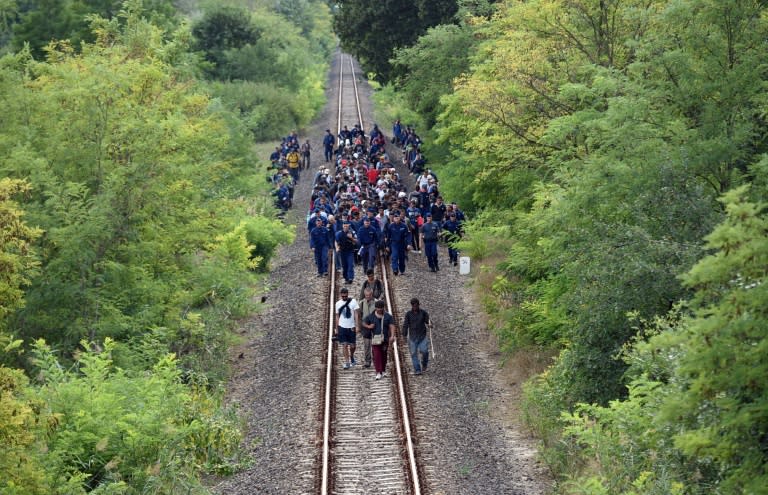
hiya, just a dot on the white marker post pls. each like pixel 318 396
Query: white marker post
pixel 464 265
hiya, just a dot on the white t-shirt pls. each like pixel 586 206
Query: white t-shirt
pixel 343 320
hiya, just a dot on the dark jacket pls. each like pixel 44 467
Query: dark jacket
pixel 415 325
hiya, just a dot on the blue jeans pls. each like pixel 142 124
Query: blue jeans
pixel 415 348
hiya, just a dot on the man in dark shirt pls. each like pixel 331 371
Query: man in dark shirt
pixel 415 330
pixel 319 244
pixel 438 211
pixel 328 142
pixel 429 234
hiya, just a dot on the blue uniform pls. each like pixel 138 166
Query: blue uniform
pixel 314 216
pixel 319 241
pixel 369 239
pixel 453 228
pixel 431 231
pixel 398 237
pixel 328 141
pixel 347 254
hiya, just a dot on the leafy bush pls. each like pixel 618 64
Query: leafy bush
pixel 114 431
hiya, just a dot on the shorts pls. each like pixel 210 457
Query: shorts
pixel 347 336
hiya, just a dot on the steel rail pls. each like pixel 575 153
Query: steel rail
pixel 403 403
pixel 326 467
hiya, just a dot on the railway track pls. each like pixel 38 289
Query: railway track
pixel 367 443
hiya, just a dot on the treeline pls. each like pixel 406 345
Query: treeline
pixel 613 154
pixel 135 225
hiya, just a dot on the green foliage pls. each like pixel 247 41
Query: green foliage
pixel 263 68
pixel 21 426
pixel 590 140
pixel 697 403
pixel 264 235
pixel 430 65
pixel 150 230
pixel 18 263
pixel 43 21
pixel 118 432
pixel 366 29
pixel 220 31
pixel 722 402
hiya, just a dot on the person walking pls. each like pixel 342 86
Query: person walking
pixel 293 159
pixel 415 330
pixel 345 245
pixel 398 240
pixel 319 244
pixel 373 283
pixel 329 141
pixel 430 232
pixel 346 326
pixel 382 327
pixel 452 232
pixel 367 307
pixel 306 150
pixel 368 235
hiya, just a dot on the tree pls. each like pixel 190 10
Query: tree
pixel 367 31
pixel 721 405
pixel 697 407
pixel 429 67
pixel 43 21
pixel 222 30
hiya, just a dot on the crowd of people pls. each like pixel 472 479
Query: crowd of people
pixel 361 209
pixel 367 210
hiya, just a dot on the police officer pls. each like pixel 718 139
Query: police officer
pixel 398 240
pixel 452 232
pixel 430 232
pixel 368 235
pixel 328 143
pixel 319 244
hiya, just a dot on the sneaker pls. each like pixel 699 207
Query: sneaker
pixel 417 372
pixel 367 365
pixel 353 363
pixel 346 366
pixel 378 376
pixel 395 272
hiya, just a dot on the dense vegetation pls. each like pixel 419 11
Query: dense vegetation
pixel 613 157
pixel 134 227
